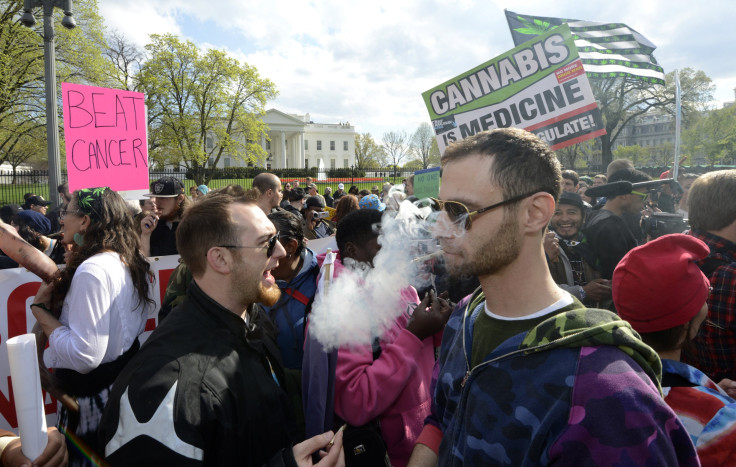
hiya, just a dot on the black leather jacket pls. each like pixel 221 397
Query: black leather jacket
pixel 201 391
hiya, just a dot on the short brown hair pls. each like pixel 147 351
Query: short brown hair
pixel 522 163
pixel 209 223
pixel 711 202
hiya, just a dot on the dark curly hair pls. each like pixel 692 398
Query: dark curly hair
pixel 347 204
pixel 111 229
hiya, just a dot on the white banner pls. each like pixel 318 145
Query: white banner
pixel 17 289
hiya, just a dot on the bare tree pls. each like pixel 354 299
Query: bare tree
pixel 126 58
pixel 421 144
pixel 396 146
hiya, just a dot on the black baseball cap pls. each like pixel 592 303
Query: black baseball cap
pixel 37 200
pixel 166 187
pixel 573 199
pixel 314 202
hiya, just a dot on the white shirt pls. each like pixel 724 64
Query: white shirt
pixel 101 316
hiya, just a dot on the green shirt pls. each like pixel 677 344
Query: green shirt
pixel 489 332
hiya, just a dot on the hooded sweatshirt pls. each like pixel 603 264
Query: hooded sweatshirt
pixel 580 388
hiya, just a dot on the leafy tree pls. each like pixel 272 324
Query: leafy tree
pixel 413 165
pixel 621 100
pixel 28 148
pixel 22 90
pixel 422 143
pixel 396 145
pixel 203 105
pixel 713 136
pixel 662 155
pixel 635 153
pixel 368 153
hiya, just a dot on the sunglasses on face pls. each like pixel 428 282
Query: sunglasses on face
pixel 639 193
pixel 270 245
pixel 457 211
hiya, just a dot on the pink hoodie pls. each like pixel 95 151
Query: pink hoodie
pixel 394 387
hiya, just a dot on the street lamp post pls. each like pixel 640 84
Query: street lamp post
pixel 49 56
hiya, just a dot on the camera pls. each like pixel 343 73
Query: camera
pixel 663 223
pixel 321 215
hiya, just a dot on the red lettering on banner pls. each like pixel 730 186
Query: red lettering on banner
pixel 17 324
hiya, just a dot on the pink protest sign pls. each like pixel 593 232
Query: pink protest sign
pixel 105 132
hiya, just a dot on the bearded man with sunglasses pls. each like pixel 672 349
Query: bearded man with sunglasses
pixel 526 374
pixel 207 386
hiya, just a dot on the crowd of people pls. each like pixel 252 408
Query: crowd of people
pixel 594 323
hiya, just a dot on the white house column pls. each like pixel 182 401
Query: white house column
pixel 283 147
pixel 301 150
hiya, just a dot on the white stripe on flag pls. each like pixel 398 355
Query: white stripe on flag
pixel 623 69
pixel 606 33
pixel 599 56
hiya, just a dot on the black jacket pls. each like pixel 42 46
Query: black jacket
pixel 224 404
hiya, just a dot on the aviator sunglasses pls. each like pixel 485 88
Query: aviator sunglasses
pixel 269 246
pixel 457 211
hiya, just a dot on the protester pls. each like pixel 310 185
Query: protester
pixel 686 181
pixel 340 192
pixel 599 180
pixel 270 187
pixel 37 203
pixel 569 256
pixel 660 290
pixel 371 202
pixel 570 181
pixel 329 200
pixel 208 372
pixel 285 195
pixel 36 230
pixel 347 204
pixel 610 233
pixel 712 210
pixel 158 232
pixel 193 193
pixel 527 375
pixel 53 214
pixel 409 185
pixel 148 204
pixel 296 201
pixel 353 190
pixel 8 211
pixel 102 296
pixel 316 226
pixel 296 277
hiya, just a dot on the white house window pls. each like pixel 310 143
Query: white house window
pixel 319 145
pixel 306 163
pixel 344 145
pixel 306 144
pixel 209 143
pixel 332 145
pixel 332 163
pixel 227 162
pixel 345 163
pixel 268 145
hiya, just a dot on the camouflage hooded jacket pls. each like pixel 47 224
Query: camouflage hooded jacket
pixel 580 388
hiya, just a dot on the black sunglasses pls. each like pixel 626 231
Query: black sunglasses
pixel 269 246
pixel 457 211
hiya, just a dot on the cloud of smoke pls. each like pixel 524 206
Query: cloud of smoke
pixel 363 303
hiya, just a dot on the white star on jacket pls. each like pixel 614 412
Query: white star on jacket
pixel 160 427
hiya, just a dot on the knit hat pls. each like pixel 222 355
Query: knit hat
pixel 658 286
pixel 371 202
pixel 573 199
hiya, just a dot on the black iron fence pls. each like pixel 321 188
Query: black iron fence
pixel 14 186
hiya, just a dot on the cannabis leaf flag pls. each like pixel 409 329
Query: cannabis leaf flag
pixel 606 49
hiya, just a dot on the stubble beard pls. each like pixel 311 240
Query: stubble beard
pixel 494 254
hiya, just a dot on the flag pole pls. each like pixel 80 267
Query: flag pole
pixel 678 120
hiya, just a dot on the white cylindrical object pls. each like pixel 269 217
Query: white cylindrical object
pixel 28 396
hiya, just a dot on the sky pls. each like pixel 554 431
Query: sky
pixel 368 62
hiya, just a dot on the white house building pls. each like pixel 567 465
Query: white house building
pixel 298 142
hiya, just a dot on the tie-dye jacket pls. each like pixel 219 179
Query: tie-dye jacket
pixel 578 389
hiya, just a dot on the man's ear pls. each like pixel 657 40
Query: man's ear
pixel 538 212
pixel 219 260
pixel 350 250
